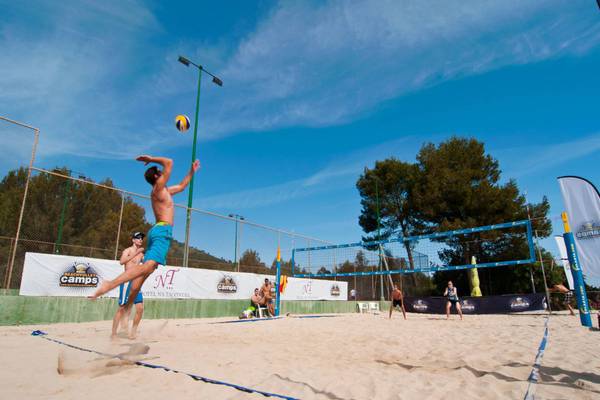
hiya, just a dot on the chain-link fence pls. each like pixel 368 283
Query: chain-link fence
pixel 67 214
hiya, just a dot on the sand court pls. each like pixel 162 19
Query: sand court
pixel 343 357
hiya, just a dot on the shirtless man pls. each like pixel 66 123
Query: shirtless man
pixel 265 290
pixel 560 288
pixel 257 301
pixel 131 258
pixel 160 235
pixel 397 301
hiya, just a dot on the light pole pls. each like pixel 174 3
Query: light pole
pixel 235 250
pixel 219 82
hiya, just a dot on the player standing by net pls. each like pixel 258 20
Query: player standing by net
pixel 397 301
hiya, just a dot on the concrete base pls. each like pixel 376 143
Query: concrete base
pixel 25 310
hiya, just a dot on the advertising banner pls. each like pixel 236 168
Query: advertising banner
pixel 56 275
pixel 582 204
pixel 478 305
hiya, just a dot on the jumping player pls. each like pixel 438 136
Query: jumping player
pixel 130 258
pixel 397 301
pixel 160 235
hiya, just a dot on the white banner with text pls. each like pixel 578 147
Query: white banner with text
pixel 56 275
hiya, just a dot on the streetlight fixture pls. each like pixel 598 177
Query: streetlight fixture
pixel 219 82
pixel 238 218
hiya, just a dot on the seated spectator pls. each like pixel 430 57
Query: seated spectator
pixel 267 296
pixel 257 299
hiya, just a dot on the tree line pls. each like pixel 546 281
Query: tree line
pixel 455 185
pixel 71 217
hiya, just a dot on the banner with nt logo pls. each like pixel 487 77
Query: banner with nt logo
pixel 56 275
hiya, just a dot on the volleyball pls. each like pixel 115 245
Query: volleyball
pixel 182 123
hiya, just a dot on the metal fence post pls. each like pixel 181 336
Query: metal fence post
pixel 120 222
pixel 36 132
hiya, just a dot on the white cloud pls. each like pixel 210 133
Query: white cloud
pixel 71 67
pixel 330 63
pixel 539 157
pixel 66 71
pixel 339 173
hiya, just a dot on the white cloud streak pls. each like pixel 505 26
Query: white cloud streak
pixel 330 63
pixel 66 72
pixel 340 173
pixel 537 158
pixel 313 64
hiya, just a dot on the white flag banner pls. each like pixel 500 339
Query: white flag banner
pixel 564 260
pixel 582 203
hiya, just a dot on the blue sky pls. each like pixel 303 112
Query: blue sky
pixel 313 92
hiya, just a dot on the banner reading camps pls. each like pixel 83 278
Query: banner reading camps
pixel 54 275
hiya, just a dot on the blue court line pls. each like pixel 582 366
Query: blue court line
pixel 235 321
pixel 43 335
pixel 534 376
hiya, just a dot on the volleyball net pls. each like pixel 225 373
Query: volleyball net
pixel 496 245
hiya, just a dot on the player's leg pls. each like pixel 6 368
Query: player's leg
pixel 139 312
pixel 132 273
pixel 116 320
pixel 272 308
pixel 459 309
pixel 136 286
pixel 448 304
pixel 125 319
pixel 391 308
pixel 119 313
pixel 402 307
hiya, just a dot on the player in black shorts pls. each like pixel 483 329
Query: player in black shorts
pixel 451 295
pixel 397 301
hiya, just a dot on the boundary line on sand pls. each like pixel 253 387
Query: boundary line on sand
pixel 534 376
pixel 235 321
pixel 44 335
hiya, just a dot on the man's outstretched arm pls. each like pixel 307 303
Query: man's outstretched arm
pixel 167 164
pixel 183 184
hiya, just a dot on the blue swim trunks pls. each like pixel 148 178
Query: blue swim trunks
pixel 124 295
pixel 159 241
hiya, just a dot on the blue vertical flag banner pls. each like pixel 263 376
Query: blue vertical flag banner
pixel 579 284
pixel 582 204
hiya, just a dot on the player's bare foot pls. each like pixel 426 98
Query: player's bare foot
pixel 104 288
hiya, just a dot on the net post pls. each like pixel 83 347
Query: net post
pixel 120 223
pixel 580 292
pixel 278 283
pixel 530 241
